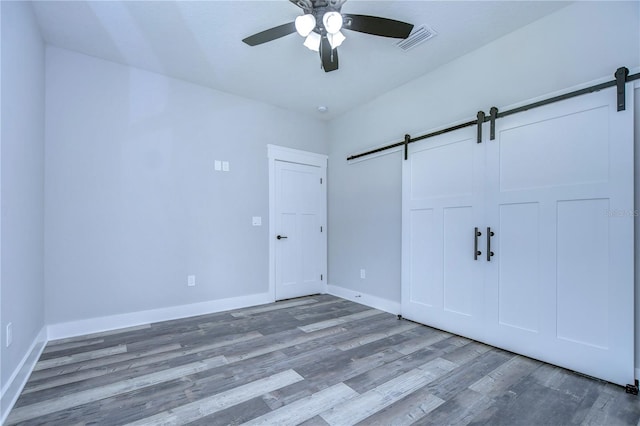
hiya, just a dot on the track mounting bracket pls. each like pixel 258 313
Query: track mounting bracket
pixel 621 78
pixel 480 117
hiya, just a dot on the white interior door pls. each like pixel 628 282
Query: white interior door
pixel 299 230
pixel 560 198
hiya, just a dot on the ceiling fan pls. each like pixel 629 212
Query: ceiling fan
pixel 321 25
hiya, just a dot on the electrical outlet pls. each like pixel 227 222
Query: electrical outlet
pixel 191 280
pixel 217 165
pixel 363 274
pixel 256 221
pixel 9 334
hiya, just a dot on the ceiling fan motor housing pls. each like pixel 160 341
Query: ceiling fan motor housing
pixel 319 14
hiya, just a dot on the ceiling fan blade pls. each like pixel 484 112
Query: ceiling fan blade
pixel 377 26
pixel 329 56
pixel 271 34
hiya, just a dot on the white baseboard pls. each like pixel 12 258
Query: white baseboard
pixel 12 389
pixel 114 322
pixel 365 299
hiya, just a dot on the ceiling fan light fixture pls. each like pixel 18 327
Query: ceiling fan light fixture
pixel 320 25
pixel 336 39
pixel 332 22
pixel 312 42
pixel 305 24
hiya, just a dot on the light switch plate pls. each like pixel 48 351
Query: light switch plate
pixel 225 166
pixel 217 165
pixel 257 221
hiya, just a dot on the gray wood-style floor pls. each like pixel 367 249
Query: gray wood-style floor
pixel 316 360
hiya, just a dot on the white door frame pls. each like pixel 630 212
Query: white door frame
pixel 290 155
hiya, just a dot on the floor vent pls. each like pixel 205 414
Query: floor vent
pixel 418 36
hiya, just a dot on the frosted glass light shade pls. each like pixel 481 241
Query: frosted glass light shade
pixel 336 39
pixel 332 22
pixel 305 24
pixel 313 42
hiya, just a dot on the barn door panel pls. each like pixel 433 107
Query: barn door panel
pixel 560 196
pixel 442 282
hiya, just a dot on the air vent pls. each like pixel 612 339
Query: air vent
pixel 418 36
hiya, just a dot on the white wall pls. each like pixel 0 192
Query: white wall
pixel 22 186
pixel 133 204
pixel 580 43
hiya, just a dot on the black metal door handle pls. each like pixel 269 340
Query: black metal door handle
pixel 476 252
pixel 280 237
pixel 490 234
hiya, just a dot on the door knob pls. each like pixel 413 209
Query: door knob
pixel 280 237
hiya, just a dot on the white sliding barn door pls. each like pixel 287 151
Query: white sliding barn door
pixel 442 203
pixel 560 197
pixel 556 189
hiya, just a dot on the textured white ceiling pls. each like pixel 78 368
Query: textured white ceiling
pixel 200 41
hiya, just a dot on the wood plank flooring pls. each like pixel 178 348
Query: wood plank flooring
pixel 316 360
